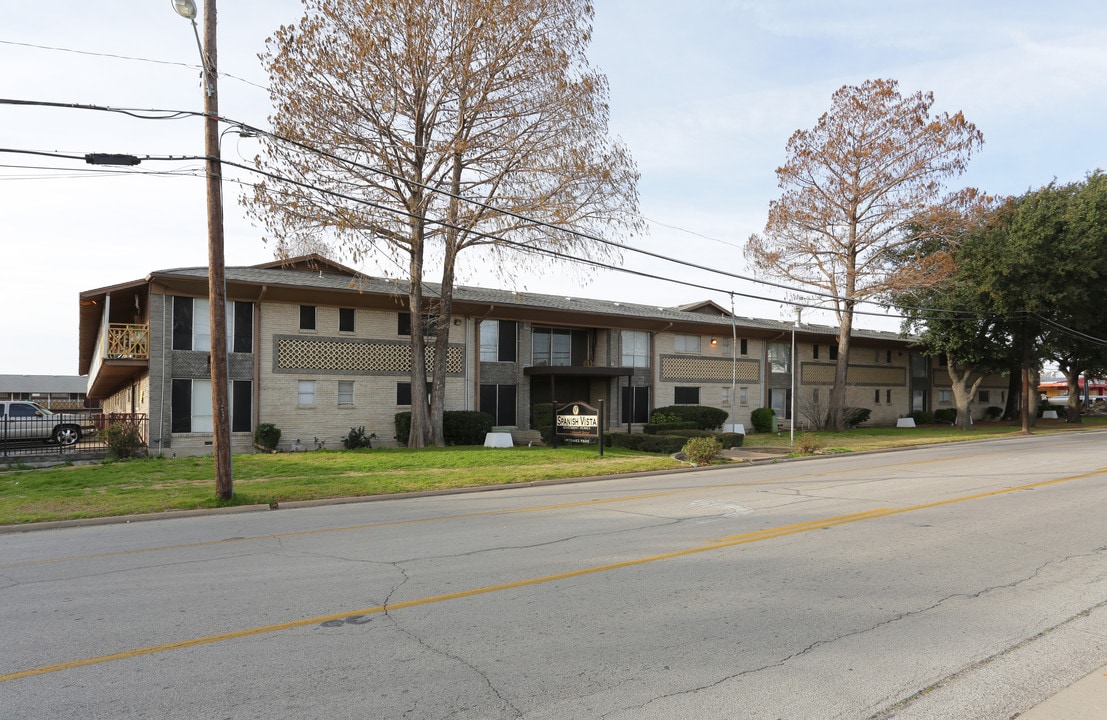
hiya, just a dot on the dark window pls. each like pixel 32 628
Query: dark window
pixel 307 317
pixel 508 332
pixel 345 319
pixel 243 340
pixel 745 349
pixel 403 393
pixel 815 351
pixel 833 352
pixel 182 323
pixel 889 356
pixel 984 396
pixel 20 410
pixel 403 325
pixel 181 404
pixel 499 401
pixel 888 397
pixel 636 405
pixel 686 396
pixel 876 398
pixel 242 397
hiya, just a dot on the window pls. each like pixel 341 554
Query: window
pixel 403 325
pixel 725 396
pixel 833 352
pixel 240 334
pixel 636 348
pixel 191 406
pixel 560 347
pixel 984 396
pixel 687 343
pixel 743 347
pixel 192 325
pixel 815 352
pixel 635 407
pixel 403 393
pixel 686 396
pixel 346 320
pixel 499 402
pixel 744 396
pixel 876 398
pixel 889 357
pixel 305 393
pixel 498 341
pixel 945 397
pixel 780 357
pixel 346 392
pixel 307 317
pixel 888 396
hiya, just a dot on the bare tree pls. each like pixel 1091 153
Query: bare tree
pixel 849 186
pixel 421 128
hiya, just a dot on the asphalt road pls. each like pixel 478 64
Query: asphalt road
pixel 961 581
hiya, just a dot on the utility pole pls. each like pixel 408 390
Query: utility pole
pixel 217 284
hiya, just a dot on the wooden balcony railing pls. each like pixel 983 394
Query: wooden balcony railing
pixel 128 342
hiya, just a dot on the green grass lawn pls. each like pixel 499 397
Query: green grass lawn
pixel 158 485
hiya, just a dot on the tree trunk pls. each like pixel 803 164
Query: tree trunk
pixel 1072 378
pixel 420 422
pixel 1014 391
pixel 964 389
pixel 836 412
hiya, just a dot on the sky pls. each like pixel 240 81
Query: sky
pixel 704 93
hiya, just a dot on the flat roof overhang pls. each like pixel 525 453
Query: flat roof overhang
pixel 577 371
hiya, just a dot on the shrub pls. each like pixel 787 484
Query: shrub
pixel 730 440
pixel 706 418
pixel 403 427
pixel 808 444
pixel 267 436
pixel 541 419
pixel 701 450
pixel 854 416
pixel 668 427
pixel 466 427
pixel 357 438
pixel 762 419
pixel 660 417
pixel 922 417
pixel 946 415
pixel 460 427
pixel 647 443
pixel 688 433
pixel 124 439
pixel 993 412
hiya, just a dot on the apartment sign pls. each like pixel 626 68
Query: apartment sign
pixel 578 423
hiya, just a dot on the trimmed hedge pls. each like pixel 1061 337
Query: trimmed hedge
pixel 706 418
pixel 922 417
pixel 668 428
pixel 668 444
pixel 460 427
pixel 946 415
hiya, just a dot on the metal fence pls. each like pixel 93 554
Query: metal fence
pixel 71 435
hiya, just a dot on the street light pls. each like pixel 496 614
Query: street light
pixel 217 284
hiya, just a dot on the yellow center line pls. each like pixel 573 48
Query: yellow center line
pixel 721 543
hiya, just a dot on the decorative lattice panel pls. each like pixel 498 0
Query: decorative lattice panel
pixel 861 375
pixel 693 368
pixel 346 356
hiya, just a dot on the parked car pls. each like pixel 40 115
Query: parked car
pixel 22 420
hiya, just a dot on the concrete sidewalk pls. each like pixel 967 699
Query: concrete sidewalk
pixel 1086 699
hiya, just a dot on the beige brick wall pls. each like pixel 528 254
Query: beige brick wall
pixel 374 406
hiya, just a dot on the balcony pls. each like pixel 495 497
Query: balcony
pixel 128 342
pixel 122 354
